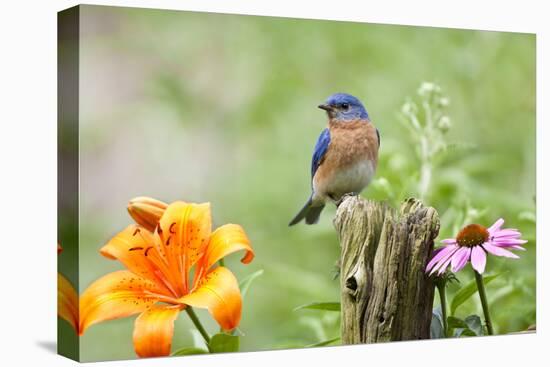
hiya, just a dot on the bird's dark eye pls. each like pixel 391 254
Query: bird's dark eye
pixel 345 106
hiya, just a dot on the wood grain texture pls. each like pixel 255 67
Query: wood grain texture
pixel 386 295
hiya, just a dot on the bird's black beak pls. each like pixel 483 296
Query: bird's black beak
pixel 325 107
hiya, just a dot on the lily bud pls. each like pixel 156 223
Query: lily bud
pixel 146 211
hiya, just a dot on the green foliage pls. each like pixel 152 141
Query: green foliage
pixel 245 283
pixel 203 114
pixel 427 124
pixel 325 306
pixel 470 326
pixel 436 327
pixel 224 343
pixel 469 290
pixel 189 351
pixel 323 343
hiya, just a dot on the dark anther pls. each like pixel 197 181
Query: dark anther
pixel 135 248
pixel 168 241
pixel 147 250
pixel 171 227
pixel 159 230
pixel 351 283
pixel 136 231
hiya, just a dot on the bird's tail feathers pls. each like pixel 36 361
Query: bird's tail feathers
pixel 309 212
pixel 313 214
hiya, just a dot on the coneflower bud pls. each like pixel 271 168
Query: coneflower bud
pixel 146 211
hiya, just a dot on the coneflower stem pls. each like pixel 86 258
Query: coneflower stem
pixel 198 325
pixel 443 301
pixel 484 304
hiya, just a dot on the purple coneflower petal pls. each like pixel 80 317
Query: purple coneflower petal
pixel 437 264
pixel 515 248
pixel 513 233
pixel 449 241
pixel 444 265
pixel 507 242
pixel 440 253
pixel 479 259
pixel 499 251
pixel 440 263
pixel 437 251
pixel 460 258
pixel 496 226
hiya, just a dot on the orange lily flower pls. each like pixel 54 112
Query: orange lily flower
pixel 146 211
pixel 159 283
pixel 67 298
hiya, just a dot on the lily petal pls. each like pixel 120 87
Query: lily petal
pixel 153 331
pixel 184 230
pixel 218 292
pixel 225 240
pixel 146 211
pixel 67 301
pixel 135 248
pixel 116 295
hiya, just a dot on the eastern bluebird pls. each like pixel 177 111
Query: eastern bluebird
pixel 345 156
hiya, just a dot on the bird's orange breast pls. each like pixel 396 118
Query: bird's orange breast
pixel 350 143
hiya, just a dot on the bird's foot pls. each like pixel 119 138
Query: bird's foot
pixel 343 197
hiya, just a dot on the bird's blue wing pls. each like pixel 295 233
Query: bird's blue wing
pixel 320 150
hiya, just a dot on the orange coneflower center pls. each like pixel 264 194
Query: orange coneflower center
pixel 472 235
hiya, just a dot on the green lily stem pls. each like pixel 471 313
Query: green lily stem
pixel 443 301
pixel 198 325
pixel 484 304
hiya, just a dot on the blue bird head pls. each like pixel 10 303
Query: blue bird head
pixel 345 107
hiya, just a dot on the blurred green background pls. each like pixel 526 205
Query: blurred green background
pixel 222 108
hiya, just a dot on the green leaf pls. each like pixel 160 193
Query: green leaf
pixel 468 290
pixel 456 323
pixel 323 343
pixel 471 326
pixel 474 324
pixel 244 284
pixel 326 306
pixel 463 332
pixel 224 343
pixel 189 351
pixel 436 326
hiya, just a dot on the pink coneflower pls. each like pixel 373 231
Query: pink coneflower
pixel 472 243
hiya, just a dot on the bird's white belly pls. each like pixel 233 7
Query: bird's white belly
pixel 352 179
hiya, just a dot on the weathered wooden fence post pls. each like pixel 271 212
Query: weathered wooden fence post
pixel 386 294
